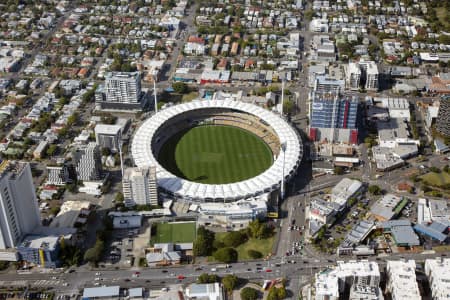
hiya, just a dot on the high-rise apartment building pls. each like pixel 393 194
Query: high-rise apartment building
pixel 140 186
pixel 437 271
pixel 360 278
pixel 88 164
pixel 334 118
pixel 370 74
pixel 353 76
pixel 108 136
pixel 363 74
pixel 402 282
pixel 122 90
pixel 443 118
pixel 19 213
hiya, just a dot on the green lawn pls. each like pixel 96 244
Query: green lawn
pixel 215 154
pixel 174 233
pixel 437 179
pixel 264 246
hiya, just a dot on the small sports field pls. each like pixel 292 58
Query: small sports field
pixel 174 233
pixel 215 154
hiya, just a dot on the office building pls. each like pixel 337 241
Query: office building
pixel 402 282
pixel 57 175
pixel 108 136
pixel 353 76
pixel 437 271
pixel 88 164
pixel 443 118
pixel 334 118
pixel 121 91
pixel 40 250
pixel 140 186
pixel 362 276
pixel 18 203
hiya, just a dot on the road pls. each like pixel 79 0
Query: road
pixel 69 283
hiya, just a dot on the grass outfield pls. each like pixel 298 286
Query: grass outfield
pixel 174 233
pixel 215 154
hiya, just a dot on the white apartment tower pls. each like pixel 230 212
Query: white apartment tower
pixel 88 164
pixel 57 175
pixel 18 203
pixel 353 76
pixel 140 186
pixel 123 87
pixel 438 273
pixel 370 72
pixel 402 282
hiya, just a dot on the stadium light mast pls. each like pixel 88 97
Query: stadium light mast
pixel 282 96
pixel 154 94
pixel 121 158
pixel 283 148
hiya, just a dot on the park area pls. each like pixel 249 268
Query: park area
pixel 437 179
pixel 177 232
pixel 263 246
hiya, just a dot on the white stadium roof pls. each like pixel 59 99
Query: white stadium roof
pixel 267 181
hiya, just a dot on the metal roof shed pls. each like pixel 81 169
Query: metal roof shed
pixel 101 292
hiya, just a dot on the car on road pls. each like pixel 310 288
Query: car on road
pixel 164 271
pixel 98 274
pixel 198 269
pixel 268 270
pixel 181 277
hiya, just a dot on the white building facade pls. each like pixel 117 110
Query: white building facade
pixel 140 186
pixel 88 163
pixel 18 203
pixel 402 282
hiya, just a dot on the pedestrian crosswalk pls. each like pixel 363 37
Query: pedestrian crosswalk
pixel 32 282
pixel 49 283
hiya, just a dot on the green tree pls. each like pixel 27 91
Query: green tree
pixel 203 244
pixel 288 106
pixel 249 293
pixel 254 254
pixel 207 278
pixel 229 282
pixel 94 254
pixel 309 14
pixel 258 230
pixel 51 150
pixel 119 198
pixel 234 239
pixel 180 87
pixel 374 190
pixel 338 170
pixel 226 255
pixel 277 293
pixel 106 151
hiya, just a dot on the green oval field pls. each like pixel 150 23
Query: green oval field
pixel 215 154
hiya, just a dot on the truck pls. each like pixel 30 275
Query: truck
pixel 223 266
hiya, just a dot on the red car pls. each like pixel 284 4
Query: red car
pixel 268 270
pixel 181 277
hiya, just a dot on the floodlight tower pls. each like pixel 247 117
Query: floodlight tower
pixel 154 94
pixel 283 149
pixel 282 96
